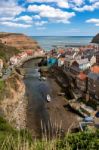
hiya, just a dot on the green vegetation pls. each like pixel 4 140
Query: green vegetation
pixel 2 89
pixel 7 51
pixel 11 139
pixel 2 85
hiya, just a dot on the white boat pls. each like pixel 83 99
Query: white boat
pixel 43 78
pixel 48 98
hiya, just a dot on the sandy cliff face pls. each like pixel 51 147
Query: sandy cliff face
pixel 20 41
pixel 13 104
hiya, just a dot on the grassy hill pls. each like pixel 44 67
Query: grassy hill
pixel 20 41
pixel 7 51
pixel 11 139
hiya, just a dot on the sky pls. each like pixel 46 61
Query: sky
pixel 50 17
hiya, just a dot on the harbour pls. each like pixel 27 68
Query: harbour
pixel 39 111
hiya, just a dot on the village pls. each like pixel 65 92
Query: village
pixel 81 67
pixel 18 60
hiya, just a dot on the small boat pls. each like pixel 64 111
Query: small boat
pixel 43 78
pixel 48 98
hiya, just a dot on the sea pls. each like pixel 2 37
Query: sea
pixel 49 42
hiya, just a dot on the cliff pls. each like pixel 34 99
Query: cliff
pixel 20 41
pixel 7 51
pixel 95 39
pixel 13 101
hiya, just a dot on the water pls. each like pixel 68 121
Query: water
pixel 36 92
pixel 47 42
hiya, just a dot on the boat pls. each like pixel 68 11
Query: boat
pixel 43 78
pixel 48 98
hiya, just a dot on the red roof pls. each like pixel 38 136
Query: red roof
pixel 61 51
pixel 95 69
pixel 82 76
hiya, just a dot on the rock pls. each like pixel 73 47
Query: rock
pixel 95 39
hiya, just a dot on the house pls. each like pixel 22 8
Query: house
pixel 74 71
pixel 13 60
pixel 61 61
pixel 93 82
pixel 92 60
pixel 51 61
pixel 29 52
pixel 81 81
pixel 95 69
pixel 82 64
pixel 70 56
pixel 1 64
pixel 23 55
pixel 97 57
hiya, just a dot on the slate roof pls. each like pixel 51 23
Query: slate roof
pixel 93 76
pixel 82 61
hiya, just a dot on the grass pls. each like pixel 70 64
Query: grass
pixel 2 85
pixel 2 89
pixel 78 141
pixel 11 139
pixel 10 136
pixel 7 51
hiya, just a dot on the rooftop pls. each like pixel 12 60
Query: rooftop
pixel 82 76
pixel 95 69
pixel 93 76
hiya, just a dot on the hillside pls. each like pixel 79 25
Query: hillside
pixel 95 39
pixel 7 51
pixel 20 41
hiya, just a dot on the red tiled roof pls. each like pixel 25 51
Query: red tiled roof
pixel 61 51
pixel 95 69
pixel 82 76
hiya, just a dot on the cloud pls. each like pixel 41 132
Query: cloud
pixel 87 7
pixel 60 3
pixel 94 21
pixel 36 17
pixel 92 1
pixel 53 14
pixel 77 2
pixel 13 24
pixel 26 19
pixel 40 28
pixel 40 23
pixel 10 8
pixel 6 18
